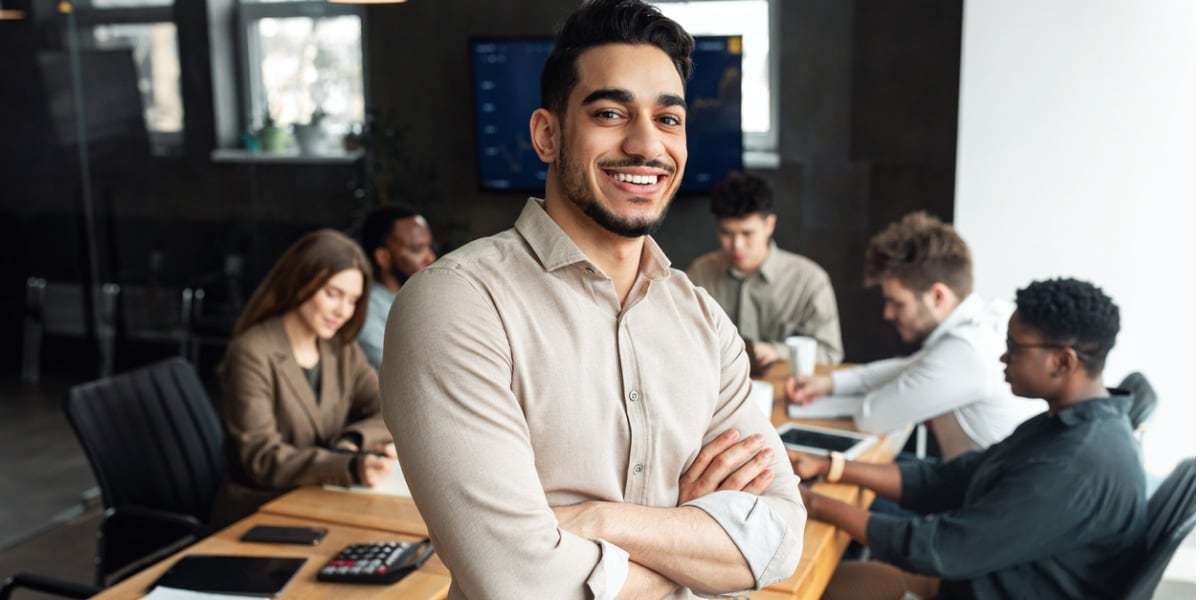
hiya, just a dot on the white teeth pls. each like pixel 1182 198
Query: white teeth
pixel 636 179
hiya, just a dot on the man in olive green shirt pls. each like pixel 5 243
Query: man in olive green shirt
pixel 770 294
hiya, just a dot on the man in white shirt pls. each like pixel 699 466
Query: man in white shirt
pixel 954 383
pixel 398 242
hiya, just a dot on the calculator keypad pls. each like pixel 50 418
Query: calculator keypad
pixel 382 562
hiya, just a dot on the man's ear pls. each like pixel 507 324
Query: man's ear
pixel 544 132
pixel 1066 361
pixel 383 258
pixel 942 296
pixel 770 224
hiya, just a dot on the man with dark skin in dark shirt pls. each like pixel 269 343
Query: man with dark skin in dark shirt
pixel 1053 511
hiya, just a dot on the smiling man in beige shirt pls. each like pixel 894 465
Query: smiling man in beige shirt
pixel 552 388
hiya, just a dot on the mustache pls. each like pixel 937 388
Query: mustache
pixel 637 162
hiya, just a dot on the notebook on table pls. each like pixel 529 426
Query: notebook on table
pixel 826 407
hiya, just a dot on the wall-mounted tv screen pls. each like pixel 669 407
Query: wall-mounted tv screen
pixel 507 74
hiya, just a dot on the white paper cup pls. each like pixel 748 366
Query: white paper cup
pixel 802 353
pixel 762 395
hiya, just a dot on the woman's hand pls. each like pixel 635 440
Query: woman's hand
pixel 374 469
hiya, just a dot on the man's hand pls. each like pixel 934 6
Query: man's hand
pixel 844 516
pixel 803 389
pixel 728 464
pixel 764 353
pixel 808 466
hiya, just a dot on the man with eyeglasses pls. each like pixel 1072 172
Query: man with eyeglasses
pixel 952 383
pixel 1056 510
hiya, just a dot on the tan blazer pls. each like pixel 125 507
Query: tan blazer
pixel 277 432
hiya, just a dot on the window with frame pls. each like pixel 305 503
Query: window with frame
pixel 755 21
pixel 302 63
pixel 146 27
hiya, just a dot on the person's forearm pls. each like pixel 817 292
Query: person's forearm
pixel 645 583
pixel 883 479
pixel 847 517
pixel 684 544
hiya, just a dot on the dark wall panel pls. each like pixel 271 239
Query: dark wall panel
pixel 868 98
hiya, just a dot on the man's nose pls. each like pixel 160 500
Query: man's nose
pixel 643 139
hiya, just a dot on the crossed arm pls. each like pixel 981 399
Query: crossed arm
pixel 465 443
pixel 673 546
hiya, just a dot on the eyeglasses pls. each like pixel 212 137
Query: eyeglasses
pixel 1011 347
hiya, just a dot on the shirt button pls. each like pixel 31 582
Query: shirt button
pixel 589 270
pixel 637 469
pixel 634 396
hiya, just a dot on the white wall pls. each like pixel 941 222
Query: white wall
pixel 1077 157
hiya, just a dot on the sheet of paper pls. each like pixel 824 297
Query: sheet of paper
pixel 826 407
pixel 166 593
pixel 394 485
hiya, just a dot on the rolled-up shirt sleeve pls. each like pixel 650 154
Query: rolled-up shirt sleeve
pixel 763 537
pixel 767 529
pixel 997 530
pixel 466 452
pixel 609 576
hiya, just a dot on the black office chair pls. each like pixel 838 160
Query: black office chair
pixel 45 585
pixel 1172 516
pixel 1145 400
pixel 154 440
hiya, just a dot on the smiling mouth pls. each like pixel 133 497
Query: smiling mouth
pixel 635 179
pixel 636 182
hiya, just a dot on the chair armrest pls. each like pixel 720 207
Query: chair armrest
pixel 133 537
pixel 133 512
pixel 46 585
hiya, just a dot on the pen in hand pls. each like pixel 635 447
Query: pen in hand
pixel 359 452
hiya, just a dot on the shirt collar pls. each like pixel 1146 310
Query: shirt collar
pixel 966 310
pixel 555 249
pixel 378 289
pixel 769 269
pixel 1116 405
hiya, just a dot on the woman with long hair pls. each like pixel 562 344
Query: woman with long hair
pixel 301 403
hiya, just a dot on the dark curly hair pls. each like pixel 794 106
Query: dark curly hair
pixel 600 22
pixel 741 195
pixel 1074 313
pixel 919 250
pixel 378 225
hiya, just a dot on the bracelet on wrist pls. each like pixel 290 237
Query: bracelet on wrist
pixel 837 464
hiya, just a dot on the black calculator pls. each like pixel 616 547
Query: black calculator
pixel 380 562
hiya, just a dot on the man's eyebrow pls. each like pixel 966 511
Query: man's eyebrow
pixel 614 94
pixel 626 97
pixel 672 100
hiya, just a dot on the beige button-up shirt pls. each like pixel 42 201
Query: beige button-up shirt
pixel 789 295
pixel 514 381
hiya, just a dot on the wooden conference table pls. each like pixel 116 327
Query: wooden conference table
pixel 355 517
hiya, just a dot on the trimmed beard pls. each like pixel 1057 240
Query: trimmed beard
pixel 574 184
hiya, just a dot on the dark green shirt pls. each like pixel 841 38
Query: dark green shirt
pixel 1055 510
pixel 313 376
